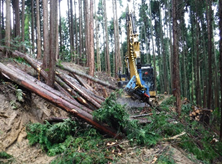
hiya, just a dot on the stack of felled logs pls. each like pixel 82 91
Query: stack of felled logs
pixel 200 114
pixel 73 94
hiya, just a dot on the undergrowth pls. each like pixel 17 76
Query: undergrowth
pixel 74 140
pixel 78 142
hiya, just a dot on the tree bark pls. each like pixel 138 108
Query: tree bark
pixel 52 50
pixel 220 27
pixel 76 34
pixel 176 76
pixel 8 24
pixel 60 29
pixel 32 29
pixel 91 46
pixel 97 45
pixel 80 32
pixel 45 35
pixel 39 51
pixel 209 30
pixel 86 11
pixel 71 32
pixel 23 23
pixel 107 41
pixel 17 19
pixel 1 27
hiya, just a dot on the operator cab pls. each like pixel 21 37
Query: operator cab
pixel 148 78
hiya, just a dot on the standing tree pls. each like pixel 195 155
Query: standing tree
pixel 98 61
pixel 8 24
pixel 39 53
pixel 45 35
pixel 52 47
pixel 116 40
pixel 1 22
pixel 176 75
pixel 209 30
pixel 32 29
pixel 91 45
pixel 86 12
pixel 71 31
pixel 107 41
pixel 220 26
pixel 23 23
pixel 80 31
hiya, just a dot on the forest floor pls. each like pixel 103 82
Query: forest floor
pixel 14 116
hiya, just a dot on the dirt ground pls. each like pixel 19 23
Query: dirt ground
pixel 15 115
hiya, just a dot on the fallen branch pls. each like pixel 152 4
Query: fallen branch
pixel 175 137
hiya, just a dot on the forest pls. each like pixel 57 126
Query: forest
pixel 181 39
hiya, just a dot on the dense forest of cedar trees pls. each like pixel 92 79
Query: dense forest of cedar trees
pixel 178 37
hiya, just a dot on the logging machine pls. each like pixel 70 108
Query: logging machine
pixel 138 81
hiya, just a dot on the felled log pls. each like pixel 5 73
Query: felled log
pixel 82 81
pixel 77 89
pixel 88 92
pixel 37 66
pixel 70 100
pixel 200 114
pixel 87 76
pixel 20 80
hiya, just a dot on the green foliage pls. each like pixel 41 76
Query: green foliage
pixel 6 158
pixel 112 113
pixel 115 115
pixel 5 155
pixel 166 158
pixel 75 140
pixel 19 95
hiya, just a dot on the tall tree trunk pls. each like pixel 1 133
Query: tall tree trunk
pixel 23 23
pixel 153 47
pixel 107 41
pixel 17 19
pixel 76 34
pixel 119 59
pixel 71 31
pixel 45 35
pixel 2 15
pixel 60 28
pixel 91 45
pixel 57 33
pixel 220 26
pixel 209 30
pixel 116 40
pixel 97 44
pixel 8 24
pixel 176 76
pixel 164 61
pixel 197 64
pixel 33 35
pixel 52 50
pixel 39 52
pixel 1 27
pixel 80 31
pixel 86 11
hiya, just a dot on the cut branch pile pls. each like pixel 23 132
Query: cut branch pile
pixel 74 95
